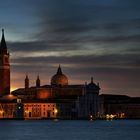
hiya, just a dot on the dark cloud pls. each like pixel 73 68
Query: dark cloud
pixel 69 20
pixel 78 43
pixel 41 46
pixel 134 49
pixel 115 60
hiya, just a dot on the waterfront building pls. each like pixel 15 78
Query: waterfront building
pixel 119 106
pixel 15 109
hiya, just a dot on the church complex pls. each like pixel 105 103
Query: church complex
pixel 59 99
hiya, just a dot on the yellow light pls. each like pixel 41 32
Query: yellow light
pixel 91 117
pixel 56 111
pixel 13 88
pixel 107 116
pixel 1 111
pixel 111 116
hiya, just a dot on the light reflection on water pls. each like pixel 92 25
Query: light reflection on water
pixel 70 130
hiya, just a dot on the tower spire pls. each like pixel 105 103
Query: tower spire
pixel 4 67
pixel 59 71
pixel 3 46
pixel 91 79
pixel 2 31
pixel 26 82
pixel 38 81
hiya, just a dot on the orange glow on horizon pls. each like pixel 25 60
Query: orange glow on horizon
pixel 13 88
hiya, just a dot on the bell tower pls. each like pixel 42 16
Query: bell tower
pixel 38 82
pixel 4 67
pixel 26 82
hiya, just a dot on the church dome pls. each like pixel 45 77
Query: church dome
pixel 92 85
pixel 59 78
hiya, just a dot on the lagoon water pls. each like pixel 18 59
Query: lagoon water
pixel 70 130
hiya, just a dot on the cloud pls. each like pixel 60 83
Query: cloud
pixel 69 19
pixel 98 59
pixel 40 45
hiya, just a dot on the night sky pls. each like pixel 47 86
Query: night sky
pixel 99 38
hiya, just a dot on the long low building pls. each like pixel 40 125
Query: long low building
pixel 119 106
pixel 28 110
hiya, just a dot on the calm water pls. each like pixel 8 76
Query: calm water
pixel 70 130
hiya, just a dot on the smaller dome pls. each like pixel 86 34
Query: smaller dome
pixel 59 78
pixel 92 85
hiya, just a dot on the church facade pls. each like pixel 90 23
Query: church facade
pixel 70 101
pixel 59 99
